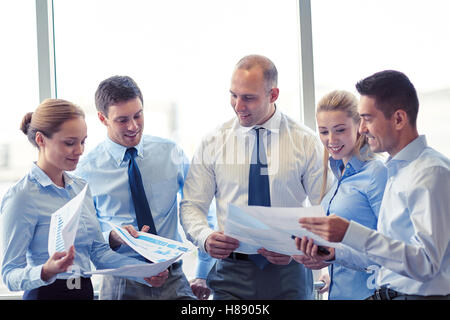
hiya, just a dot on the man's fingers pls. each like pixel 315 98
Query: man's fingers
pixel 303 244
pixel 309 246
pixel 220 246
pixel 225 240
pixel 164 274
pixel 131 230
pixel 159 279
pixel 312 220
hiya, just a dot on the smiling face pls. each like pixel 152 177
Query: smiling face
pixel 251 100
pixel 125 122
pixel 62 151
pixel 338 133
pixel 379 130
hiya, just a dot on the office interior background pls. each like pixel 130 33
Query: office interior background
pixel 182 53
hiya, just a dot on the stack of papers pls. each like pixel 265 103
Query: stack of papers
pixel 161 251
pixel 139 270
pixel 271 228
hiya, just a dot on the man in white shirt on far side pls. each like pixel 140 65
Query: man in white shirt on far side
pixel 260 157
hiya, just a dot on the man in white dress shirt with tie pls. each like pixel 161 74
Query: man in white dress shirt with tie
pixel 410 250
pixel 290 155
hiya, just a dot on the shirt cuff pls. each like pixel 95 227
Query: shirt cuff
pixel 356 236
pixel 204 265
pixel 202 239
pixel 35 276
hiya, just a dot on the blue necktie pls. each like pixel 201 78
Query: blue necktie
pixel 258 186
pixel 141 207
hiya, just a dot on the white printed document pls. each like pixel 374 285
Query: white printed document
pixel 152 247
pixel 139 270
pixel 271 228
pixel 64 224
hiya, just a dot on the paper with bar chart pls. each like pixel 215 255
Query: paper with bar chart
pixel 152 247
pixel 159 250
pixel 64 224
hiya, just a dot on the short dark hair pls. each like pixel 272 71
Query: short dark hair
pixel 392 90
pixel 114 90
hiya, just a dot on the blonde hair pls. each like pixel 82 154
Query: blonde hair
pixel 340 100
pixel 48 118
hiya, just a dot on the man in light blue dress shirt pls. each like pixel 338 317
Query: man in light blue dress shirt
pixel 163 167
pixel 410 250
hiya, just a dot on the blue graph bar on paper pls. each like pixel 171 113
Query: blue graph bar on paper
pixel 59 240
pixel 155 241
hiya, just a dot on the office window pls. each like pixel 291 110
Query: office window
pixel 19 83
pixel 181 54
pixel 353 39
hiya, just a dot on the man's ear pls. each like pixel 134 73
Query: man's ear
pixel 103 118
pixel 274 92
pixel 400 118
pixel 39 139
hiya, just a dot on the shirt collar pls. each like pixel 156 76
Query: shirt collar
pixel 272 124
pixel 353 166
pixel 117 151
pixel 44 180
pixel 411 151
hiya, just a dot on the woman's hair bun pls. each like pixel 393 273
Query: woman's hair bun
pixel 25 125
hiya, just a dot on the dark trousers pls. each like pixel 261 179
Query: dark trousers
pixel 241 279
pixel 59 290
pixel 176 287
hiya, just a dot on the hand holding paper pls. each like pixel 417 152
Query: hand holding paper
pixel 271 228
pixel 331 228
pixel 150 246
pixel 312 258
pixel 220 246
pixel 116 240
pixel 57 263
pixel 64 224
pixel 159 279
pixel 161 251
pixel 146 270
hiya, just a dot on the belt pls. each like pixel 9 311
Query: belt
pixel 385 294
pixel 389 294
pixel 239 256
